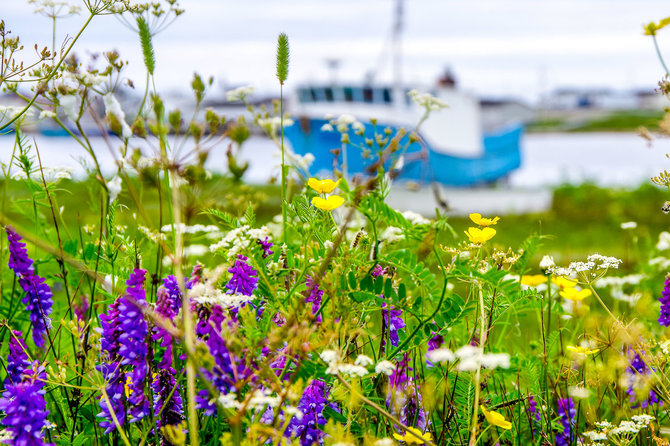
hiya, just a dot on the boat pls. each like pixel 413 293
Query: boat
pixel 452 146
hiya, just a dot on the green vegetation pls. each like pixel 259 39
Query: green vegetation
pixel 617 121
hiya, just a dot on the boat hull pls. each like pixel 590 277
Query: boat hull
pixel 422 162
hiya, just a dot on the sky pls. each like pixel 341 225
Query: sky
pixel 496 48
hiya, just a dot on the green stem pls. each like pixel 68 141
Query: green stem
pixel 284 209
pixel 51 74
pixel 658 53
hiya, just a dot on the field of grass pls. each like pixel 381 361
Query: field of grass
pixel 616 121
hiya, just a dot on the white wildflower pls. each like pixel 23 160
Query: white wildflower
pixel 192 229
pixel 239 93
pixel 415 218
pixel 272 124
pixel 595 435
pixel 643 419
pixel 547 262
pixel 629 225
pixel 293 411
pixel 385 367
pixel 329 356
pixel 352 370
pixel 195 251
pixel 426 100
pixel 114 188
pixel 363 360
pixel 441 355
pixel 107 284
pixel 71 105
pixel 112 107
pixel 327 128
pixel 358 127
pixel 604 262
pixel 47 114
pixel 151 235
pixel 392 234
pixel 229 401
pixel 472 358
pixel 663 241
pixel 384 442
pixel 578 392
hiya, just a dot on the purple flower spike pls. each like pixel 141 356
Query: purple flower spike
pixel 533 410
pixel 315 295
pixel 568 416
pixel 266 245
pixel 80 308
pixel 637 374
pixel 393 322
pixel 172 286
pixel 38 294
pixel 243 280
pixel 164 308
pixel 133 345
pixel 167 400
pixel 18 360
pixel 664 319
pixel 314 400
pixel 115 380
pixel 25 408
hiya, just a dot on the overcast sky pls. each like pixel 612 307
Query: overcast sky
pixel 495 47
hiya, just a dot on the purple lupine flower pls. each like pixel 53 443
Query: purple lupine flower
pixel 167 400
pixel 533 410
pixel 265 245
pixel 80 308
pixel 243 280
pixel 315 295
pixel 393 320
pixel 435 342
pixel 664 319
pixel 568 419
pixel 312 403
pixel 164 308
pixel 25 408
pixel 174 293
pixel 38 294
pixel 115 381
pixel 133 345
pixel 637 373
pixel 17 360
pixel 19 262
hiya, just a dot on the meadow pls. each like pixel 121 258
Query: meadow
pixel 165 305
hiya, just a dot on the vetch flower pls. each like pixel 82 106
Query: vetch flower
pixel 314 296
pixel 313 402
pixel 568 419
pixel 637 379
pixel 482 221
pixel 168 406
pixel 664 318
pixel 414 436
pixel 323 186
pixel 575 295
pixel 496 419
pixel 17 360
pixel 243 279
pixel 480 236
pixel 328 204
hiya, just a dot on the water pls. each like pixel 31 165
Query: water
pixel 607 159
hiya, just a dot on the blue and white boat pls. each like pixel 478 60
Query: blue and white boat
pixel 455 151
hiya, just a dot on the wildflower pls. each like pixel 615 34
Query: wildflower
pixel 38 294
pixel 414 436
pixel 575 295
pixel 482 221
pixel 440 355
pixel 415 219
pixel 328 204
pixel 164 308
pixel 533 409
pixel 132 341
pixel 563 282
pixel 114 388
pixel 393 321
pixel 243 280
pixel 534 280
pixel 17 360
pixel 578 392
pixel 80 308
pixel 568 418
pixel 426 100
pixel 629 225
pixel 323 186
pixel 265 244
pixel 435 342
pixel 363 361
pixel 581 350
pixel 239 94
pixel 480 236
pixel 168 406
pixel 315 295
pixel 114 188
pixel 385 367
pixel 637 376
pixel 313 402
pixel 496 419
pixel 664 318
pixel 546 263
pixel 25 408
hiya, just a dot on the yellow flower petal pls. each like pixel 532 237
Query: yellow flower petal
pixel 323 186
pixel 563 282
pixel 482 221
pixel 328 204
pixel 581 350
pixel 534 280
pixel 575 295
pixel 412 439
pixel 496 418
pixel 480 236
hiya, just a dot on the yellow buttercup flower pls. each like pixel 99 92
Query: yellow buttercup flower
pixel 574 295
pixel 652 28
pixel 412 439
pixel 496 419
pixel 563 282
pixel 581 350
pixel 323 186
pixel 480 236
pixel 484 222
pixel 534 280
pixel 328 204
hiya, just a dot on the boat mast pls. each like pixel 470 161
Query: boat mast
pixel 397 56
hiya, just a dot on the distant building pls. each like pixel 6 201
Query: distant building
pixel 604 99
